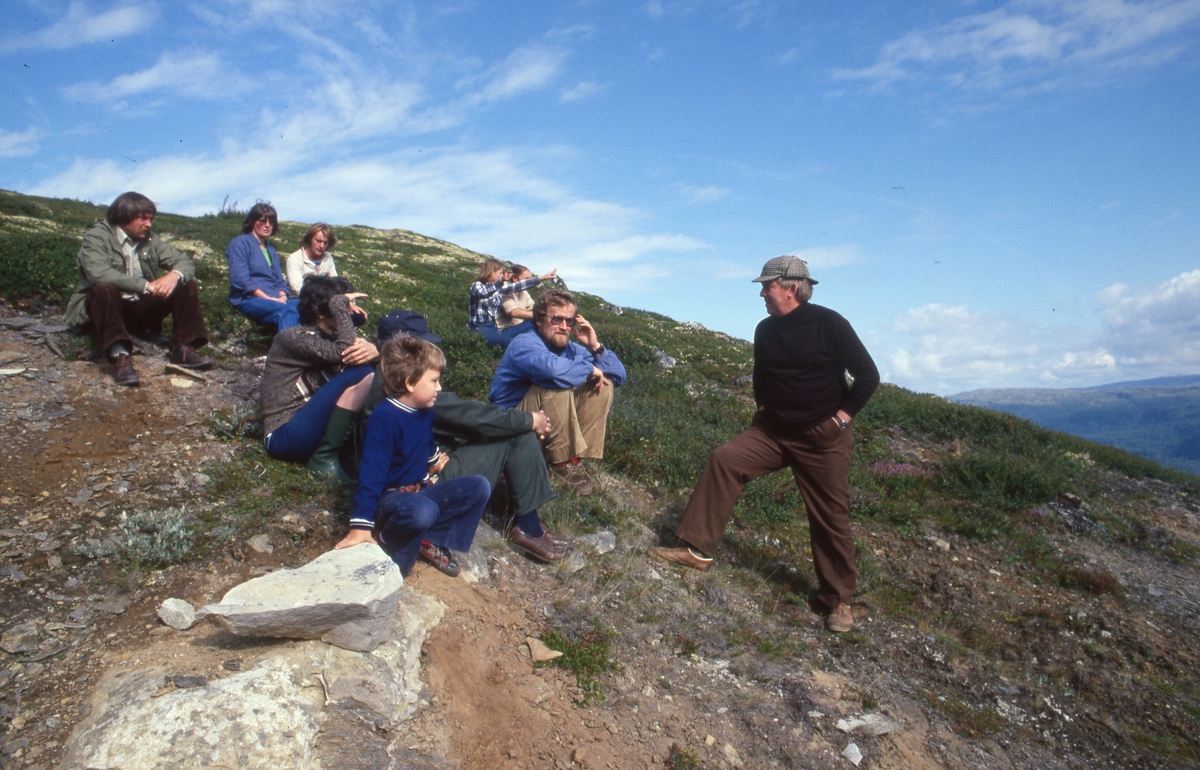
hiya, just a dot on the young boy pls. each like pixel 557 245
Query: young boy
pixel 397 503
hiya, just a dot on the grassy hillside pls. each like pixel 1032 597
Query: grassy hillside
pixel 923 469
pixel 1157 420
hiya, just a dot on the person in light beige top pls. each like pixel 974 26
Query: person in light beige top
pixel 313 257
pixel 516 307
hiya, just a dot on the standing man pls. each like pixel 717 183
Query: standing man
pixel 129 281
pixel 801 355
pixel 572 382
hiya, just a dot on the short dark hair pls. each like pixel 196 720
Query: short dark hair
pixel 405 359
pixel 552 298
pixel 316 293
pixel 129 206
pixel 319 227
pixel 261 210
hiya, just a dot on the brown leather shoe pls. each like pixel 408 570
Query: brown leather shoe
pixel 562 543
pixel 187 357
pixel 840 620
pixel 125 374
pixel 541 548
pixel 688 557
pixel 574 476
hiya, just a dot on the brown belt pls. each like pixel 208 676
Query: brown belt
pixel 417 487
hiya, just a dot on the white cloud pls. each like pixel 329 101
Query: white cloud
pixel 80 26
pixel 581 90
pixel 15 144
pixel 529 68
pixel 1154 327
pixel 706 194
pixel 191 74
pixel 1034 43
pixel 1151 331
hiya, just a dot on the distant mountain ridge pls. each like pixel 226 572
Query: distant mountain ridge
pixel 1158 418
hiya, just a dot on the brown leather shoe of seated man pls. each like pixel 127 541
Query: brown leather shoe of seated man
pixel 541 548
pixel 187 357
pixel 688 557
pixel 125 374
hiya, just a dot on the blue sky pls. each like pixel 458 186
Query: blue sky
pixel 995 194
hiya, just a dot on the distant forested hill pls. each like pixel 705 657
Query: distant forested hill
pixel 1158 419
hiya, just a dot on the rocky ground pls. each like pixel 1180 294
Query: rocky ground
pixel 962 658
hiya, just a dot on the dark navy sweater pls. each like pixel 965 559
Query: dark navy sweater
pixel 800 361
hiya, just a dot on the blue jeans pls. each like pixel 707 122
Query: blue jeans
pixel 446 513
pixel 501 339
pixel 281 315
pixel 300 436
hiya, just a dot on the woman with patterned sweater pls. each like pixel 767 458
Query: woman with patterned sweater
pixel 316 379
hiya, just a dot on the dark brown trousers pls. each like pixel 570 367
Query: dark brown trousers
pixel 115 318
pixel 820 462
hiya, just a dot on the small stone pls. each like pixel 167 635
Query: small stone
pixel 539 651
pixel 9 570
pixel 710 741
pixel 181 382
pixel 852 753
pixel 83 495
pixel 19 638
pixel 200 479
pixel 113 606
pixel 573 563
pixel 54 561
pixel 177 613
pixel 655 574
pixel 600 542
pixel 49 546
pixel 731 755
pixel 120 487
pixel 261 543
pixel 869 724
pixel 34 670
pixel 183 682
pixel 233 664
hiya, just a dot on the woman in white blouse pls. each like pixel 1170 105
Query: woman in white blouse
pixel 313 257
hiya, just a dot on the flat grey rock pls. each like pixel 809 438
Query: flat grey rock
pixel 347 598
pixel 20 638
pixel 261 543
pixel 177 613
pixel 600 542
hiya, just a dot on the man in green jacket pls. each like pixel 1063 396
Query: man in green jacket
pixel 129 281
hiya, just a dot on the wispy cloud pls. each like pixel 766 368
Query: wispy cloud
pixel 14 144
pixel 702 194
pixel 581 90
pixel 529 68
pixel 1033 44
pixel 822 257
pixel 81 26
pixel 192 74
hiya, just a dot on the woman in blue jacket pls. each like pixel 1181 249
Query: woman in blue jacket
pixel 257 287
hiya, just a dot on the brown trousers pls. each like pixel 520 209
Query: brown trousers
pixel 114 317
pixel 820 462
pixel 578 419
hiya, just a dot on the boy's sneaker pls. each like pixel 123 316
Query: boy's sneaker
pixel 440 557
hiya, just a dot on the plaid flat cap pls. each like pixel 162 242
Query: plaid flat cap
pixel 787 267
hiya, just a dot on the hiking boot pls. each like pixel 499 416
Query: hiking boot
pixel 840 620
pixel 325 459
pixel 574 476
pixel 440 557
pixel 187 357
pixel 125 374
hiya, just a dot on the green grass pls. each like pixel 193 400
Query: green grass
pixel 587 654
